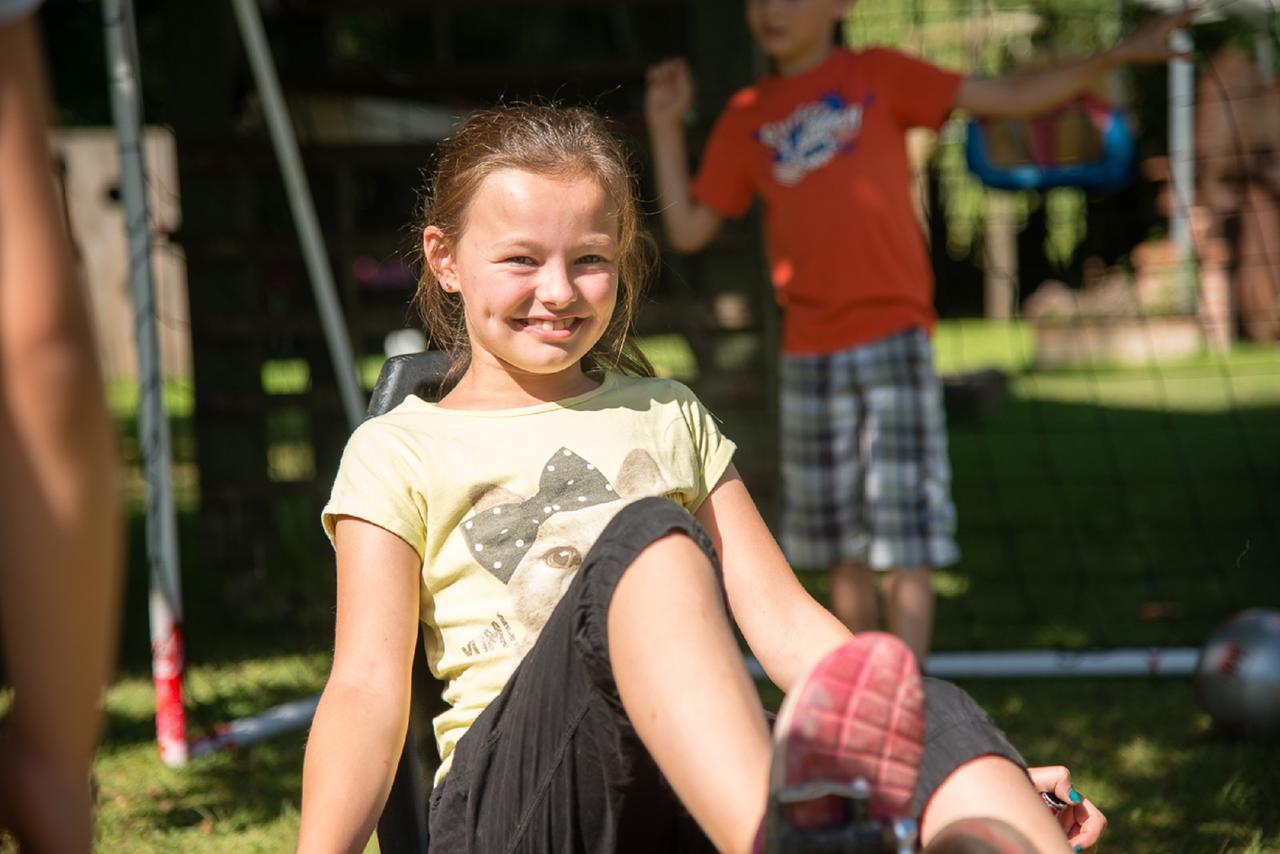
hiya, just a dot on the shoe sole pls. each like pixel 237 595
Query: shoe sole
pixel 853 729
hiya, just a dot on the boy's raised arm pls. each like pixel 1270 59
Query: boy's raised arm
pixel 1025 95
pixel 689 225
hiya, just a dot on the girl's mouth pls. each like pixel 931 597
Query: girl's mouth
pixel 560 327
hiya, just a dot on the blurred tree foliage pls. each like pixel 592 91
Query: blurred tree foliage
pixel 1061 227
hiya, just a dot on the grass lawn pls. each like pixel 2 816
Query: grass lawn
pixel 1138 747
pixel 1098 507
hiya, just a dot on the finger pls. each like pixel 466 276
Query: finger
pixel 1090 823
pixel 1049 778
pixel 1056 779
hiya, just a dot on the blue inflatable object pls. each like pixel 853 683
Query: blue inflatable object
pixel 1085 144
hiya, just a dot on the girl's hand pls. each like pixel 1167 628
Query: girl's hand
pixel 668 93
pixel 1081 821
pixel 1149 44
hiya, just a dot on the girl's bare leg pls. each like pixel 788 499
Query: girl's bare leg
pixel 979 836
pixel 680 675
pixel 993 786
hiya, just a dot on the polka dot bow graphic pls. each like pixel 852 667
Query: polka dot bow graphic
pixel 500 536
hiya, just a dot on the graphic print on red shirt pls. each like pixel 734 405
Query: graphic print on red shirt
pixel 826 152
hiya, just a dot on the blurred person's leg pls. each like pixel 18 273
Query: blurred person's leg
pixel 909 605
pixel 823 465
pixel 852 588
pixel 911 517
pixel 59 524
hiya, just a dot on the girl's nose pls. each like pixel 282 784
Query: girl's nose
pixel 554 286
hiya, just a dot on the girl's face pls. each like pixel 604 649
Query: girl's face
pixel 536 266
pixel 790 30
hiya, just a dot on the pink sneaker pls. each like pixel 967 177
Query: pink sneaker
pixel 847 748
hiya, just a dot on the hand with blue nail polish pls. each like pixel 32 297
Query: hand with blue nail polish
pixel 1081 821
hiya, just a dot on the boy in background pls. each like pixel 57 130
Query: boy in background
pixel 821 139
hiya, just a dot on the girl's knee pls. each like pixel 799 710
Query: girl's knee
pixel 651 531
pixel 641 526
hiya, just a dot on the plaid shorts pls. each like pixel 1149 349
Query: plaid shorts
pixel 865 475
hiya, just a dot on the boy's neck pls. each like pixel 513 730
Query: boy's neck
pixel 807 60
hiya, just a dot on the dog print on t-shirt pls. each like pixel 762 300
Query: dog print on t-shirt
pixel 535 545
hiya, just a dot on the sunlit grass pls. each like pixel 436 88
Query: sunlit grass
pixel 246 801
pixel 671 356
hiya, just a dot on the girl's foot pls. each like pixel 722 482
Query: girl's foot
pixel 847 748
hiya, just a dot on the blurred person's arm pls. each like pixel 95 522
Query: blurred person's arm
pixel 360 724
pixel 1039 91
pixel 59 524
pixel 688 224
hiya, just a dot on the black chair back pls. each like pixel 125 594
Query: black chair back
pixel 402 828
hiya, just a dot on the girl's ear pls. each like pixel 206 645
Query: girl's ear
pixel 438 253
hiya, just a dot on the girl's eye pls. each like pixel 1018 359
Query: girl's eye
pixel 593 259
pixel 522 260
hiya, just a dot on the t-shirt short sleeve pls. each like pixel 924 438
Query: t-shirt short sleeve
pixel 921 94
pixel 12 10
pixel 375 483
pixel 712 451
pixel 724 180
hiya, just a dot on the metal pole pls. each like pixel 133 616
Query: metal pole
pixel 1182 163
pixel 1173 662
pixel 167 659
pixel 304 211
pixel 1265 55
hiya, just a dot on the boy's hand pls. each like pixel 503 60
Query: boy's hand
pixel 1149 44
pixel 1081 821
pixel 668 93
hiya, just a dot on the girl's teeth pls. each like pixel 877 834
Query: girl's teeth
pixel 548 325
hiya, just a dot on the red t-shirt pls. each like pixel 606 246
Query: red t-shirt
pixel 826 150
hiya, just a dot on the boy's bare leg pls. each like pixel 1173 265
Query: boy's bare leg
pixel 993 786
pixel 853 595
pixel 679 672
pixel 908 596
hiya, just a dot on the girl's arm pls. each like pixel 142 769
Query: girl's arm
pixel 361 721
pixel 1025 95
pixel 689 225
pixel 786 629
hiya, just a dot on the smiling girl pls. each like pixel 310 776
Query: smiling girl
pixel 573 536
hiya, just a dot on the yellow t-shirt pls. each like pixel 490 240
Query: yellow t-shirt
pixel 502 506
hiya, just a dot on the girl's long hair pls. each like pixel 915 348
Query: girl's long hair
pixel 546 140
